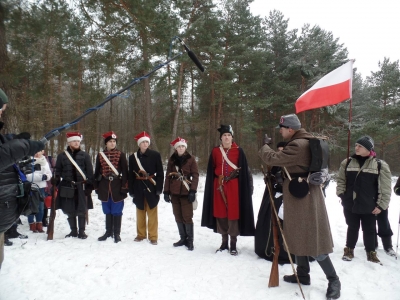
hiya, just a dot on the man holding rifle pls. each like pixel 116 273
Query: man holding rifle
pixel 228 206
pixel 307 230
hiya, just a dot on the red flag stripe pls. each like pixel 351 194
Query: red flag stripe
pixel 329 95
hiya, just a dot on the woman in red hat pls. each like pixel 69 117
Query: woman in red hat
pixel 180 188
pixel 111 184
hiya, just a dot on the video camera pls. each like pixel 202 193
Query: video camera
pixel 26 166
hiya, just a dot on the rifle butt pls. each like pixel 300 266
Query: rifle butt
pixel 274 276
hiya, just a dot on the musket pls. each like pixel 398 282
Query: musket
pixel 142 181
pixel 221 189
pixel 180 177
pixel 50 226
pixel 275 215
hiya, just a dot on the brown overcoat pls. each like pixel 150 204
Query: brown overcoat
pixel 186 164
pixel 306 224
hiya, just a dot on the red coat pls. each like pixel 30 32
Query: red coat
pixel 231 188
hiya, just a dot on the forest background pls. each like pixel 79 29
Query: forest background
pixel 59 58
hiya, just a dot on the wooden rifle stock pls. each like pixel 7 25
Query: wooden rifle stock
pixel 50 226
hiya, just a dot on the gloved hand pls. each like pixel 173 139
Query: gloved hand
pixel 267 140
pixel 35 147
pixel 96 191
pixel 192 196
pixel 44 177
pixel 166 198
pixel 123 192
pixel 54 180
pixel 133 197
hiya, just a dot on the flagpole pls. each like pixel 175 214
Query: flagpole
pixel 349 129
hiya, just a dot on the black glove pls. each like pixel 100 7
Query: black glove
pixel 267 140
pixel 166 198
pixel 96 191
pixel 54 180
pixel 44 177
pixel 123 192
pixel 192 196
pixel 133 198
pixel 35 147
pixel 397 191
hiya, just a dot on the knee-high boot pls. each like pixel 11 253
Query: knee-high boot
pixel 81 223
pixel 72 225
pixel 182 234
pixel 117 228
pixel 333 291
pixel 190 236
pixel 109 225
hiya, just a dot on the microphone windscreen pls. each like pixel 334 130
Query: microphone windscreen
pixel 194 58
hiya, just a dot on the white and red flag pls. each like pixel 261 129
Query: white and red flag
pixel 331 89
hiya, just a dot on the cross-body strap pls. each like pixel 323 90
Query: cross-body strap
pixel 75 164
pixel 141 168
pixel 109 163
pixel 227 159
pixel 183 179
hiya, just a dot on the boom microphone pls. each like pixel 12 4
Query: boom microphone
pixel 192 56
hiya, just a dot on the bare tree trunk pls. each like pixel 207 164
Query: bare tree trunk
pixel 178 105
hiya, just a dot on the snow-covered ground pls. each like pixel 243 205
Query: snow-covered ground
pixel 87 269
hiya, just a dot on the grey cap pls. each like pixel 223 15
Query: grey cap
pixel 290 121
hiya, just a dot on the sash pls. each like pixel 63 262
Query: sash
pixel 226 158
pixel 109 163
pixel 75 164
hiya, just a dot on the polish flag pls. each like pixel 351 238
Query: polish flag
pixel 331 89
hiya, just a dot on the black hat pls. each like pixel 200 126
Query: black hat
pixel 367 142
pixel 225 129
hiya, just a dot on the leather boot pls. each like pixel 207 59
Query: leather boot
pixel 109 225
pixel 81 223
pixel 190 236
pixel 182 234
pixel 303 271
pixel 224 245
pixel 117 228
pixel 333 291
pixel 39 227
pixel 72 225
pixel 233 250
pixel 32 227
pixel 7 242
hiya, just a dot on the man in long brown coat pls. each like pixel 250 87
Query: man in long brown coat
pixel 307 230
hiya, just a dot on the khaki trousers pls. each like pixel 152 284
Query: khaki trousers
pixel 1 248
pixel 225 227
pixel 152 224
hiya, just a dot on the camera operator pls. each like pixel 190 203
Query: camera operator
pixel 38 172
pixel 11 152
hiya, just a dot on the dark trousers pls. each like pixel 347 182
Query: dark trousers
pixel 225 227
pixel 368 225
pixel 384 229
pixel 182 209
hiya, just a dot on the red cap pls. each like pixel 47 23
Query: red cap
pixel 178 142
pixel 109 136
pixel 74 136
pixel 143 136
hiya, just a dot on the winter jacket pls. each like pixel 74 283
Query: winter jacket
pixel 37 176
pixel 116 188
pixel 152 164
pixel 67 171
pixel 363 189
pixel 188 167
pixel 307 230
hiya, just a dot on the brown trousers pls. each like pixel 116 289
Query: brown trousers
pixel 1 248
pixel 152 224
pixel 182 209
pixel 225 227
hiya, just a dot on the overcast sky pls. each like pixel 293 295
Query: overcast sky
pixel 370 30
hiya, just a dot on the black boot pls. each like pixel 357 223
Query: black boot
pixel 81 223
pixel 303 271
pixel 182 234
pixel 117 228
pixel 233 250
pixel 224 245
pixel 109 225
pixel 333 291
pixel 12 233
pixel 44 219
pixel 190 235
pixel 7 242
pixel 72 225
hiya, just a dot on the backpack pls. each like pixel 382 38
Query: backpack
pixel 319 150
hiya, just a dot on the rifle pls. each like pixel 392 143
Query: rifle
pixel 274 277
pixel 50 226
